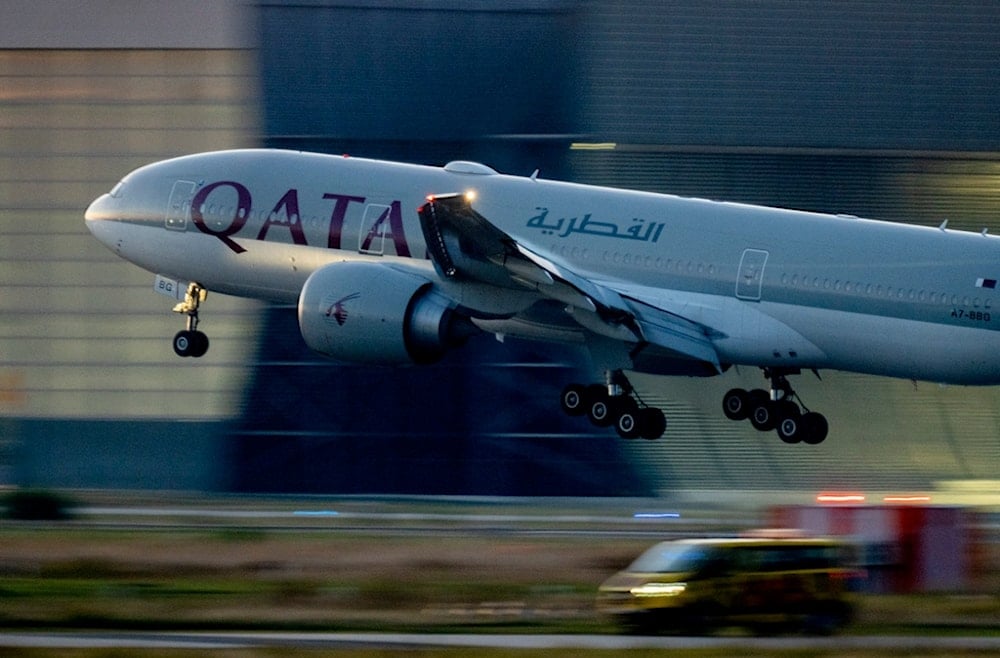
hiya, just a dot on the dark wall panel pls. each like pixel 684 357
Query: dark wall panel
pixel 425 82
pixel 884 74
pixel 483 421
pixel 884 109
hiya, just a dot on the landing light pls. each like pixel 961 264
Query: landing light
pixel 470 196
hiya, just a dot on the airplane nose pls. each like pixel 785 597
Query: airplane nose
pixel 98 210
pixel 99 219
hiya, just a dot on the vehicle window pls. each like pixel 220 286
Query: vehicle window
pixel 796 558
pixel 667 557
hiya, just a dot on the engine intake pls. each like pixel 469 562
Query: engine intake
pixel 373 313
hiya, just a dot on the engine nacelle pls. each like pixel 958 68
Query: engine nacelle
pixel 371 313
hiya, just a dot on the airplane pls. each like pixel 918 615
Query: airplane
pixel 395 263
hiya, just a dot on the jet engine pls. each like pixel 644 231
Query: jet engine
pixel 373 313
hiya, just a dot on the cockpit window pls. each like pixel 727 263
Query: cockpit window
pixel 116 191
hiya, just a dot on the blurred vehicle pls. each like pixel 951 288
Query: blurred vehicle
pixel 766 584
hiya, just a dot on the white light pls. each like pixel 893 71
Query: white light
pixel 593 146
pixel 659 589
pixel 840 498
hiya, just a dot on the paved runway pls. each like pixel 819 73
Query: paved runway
pixel 244 640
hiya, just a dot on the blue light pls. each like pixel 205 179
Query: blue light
pixel 656 515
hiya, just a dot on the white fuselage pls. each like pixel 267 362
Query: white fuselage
pixel 775 287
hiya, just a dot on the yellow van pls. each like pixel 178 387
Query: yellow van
pixel 692 585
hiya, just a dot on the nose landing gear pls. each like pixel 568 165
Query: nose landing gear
pixel 615 403
pixel 190 341
pixel 776 410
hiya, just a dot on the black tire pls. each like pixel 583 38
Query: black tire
pixel 641 623
pixel 790 428
pixel 736 404
pixel 762 411
pixel 600 409
pixel 184 343
pixel 200 346
pixel 574 400
pixel 826 619
pixel 652 423
pixel 628 421
pixel 816 428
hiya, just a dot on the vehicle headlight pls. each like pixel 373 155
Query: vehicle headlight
pixel 659 589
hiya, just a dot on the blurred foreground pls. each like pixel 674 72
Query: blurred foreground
pixel 527 566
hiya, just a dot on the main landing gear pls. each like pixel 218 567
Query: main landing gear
pixel 615 403
pixel 776 410
pixel 190 341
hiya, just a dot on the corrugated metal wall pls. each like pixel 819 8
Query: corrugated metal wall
pixel 872 74
pixel 426 82
pixel 925 188
pixel 81 333
pixel 884 109
pixel 881 109
pixel 878 109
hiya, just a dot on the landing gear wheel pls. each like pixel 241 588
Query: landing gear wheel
pixel 790 427
pixel 599 407
pixel 190 343
pixel 762 412
pixel 776 409
pixel 652 423
pixel 183 343
pixel 736 404
pixel 200 344
pixel 627 420
pixel 816 428
pixel 614 404
pixel 574 400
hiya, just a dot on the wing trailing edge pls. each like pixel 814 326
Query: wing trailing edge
pixel 465 245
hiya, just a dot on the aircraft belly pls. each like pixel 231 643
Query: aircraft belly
pixel 896 347
pixel 752 336
pixel 740 331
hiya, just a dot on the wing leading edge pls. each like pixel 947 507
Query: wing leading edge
pixel 465 245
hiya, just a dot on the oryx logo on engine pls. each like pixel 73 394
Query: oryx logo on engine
pixel 338 311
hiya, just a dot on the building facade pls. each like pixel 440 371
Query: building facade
pixel 876 109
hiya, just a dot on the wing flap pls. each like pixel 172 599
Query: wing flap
pixel 464 244
pixel 675 333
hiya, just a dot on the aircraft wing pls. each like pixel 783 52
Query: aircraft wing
pixel 465 245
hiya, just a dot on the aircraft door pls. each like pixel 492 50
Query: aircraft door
pixel 751 275
pixel 371 238
pixel 179 205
